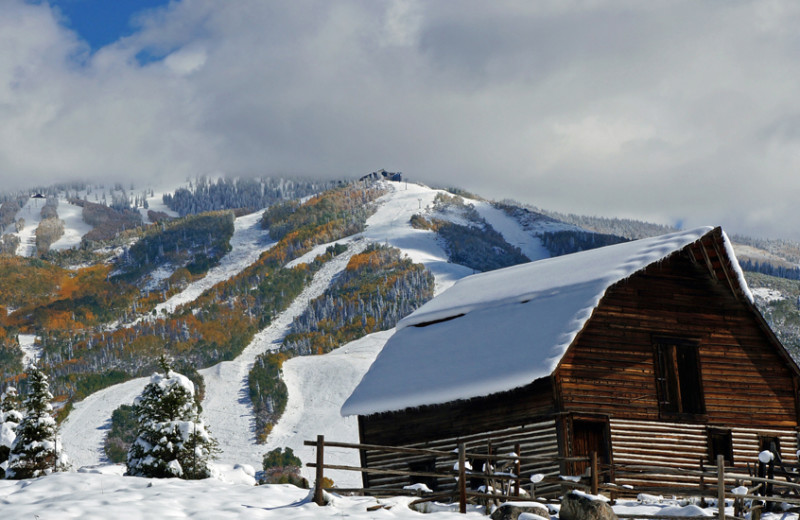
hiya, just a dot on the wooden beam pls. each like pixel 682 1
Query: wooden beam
pixel 726 270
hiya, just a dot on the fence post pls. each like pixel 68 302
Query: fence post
pixel 703 502
pixel 318 498
pixel 770 488
pixel 462 479
pixel 595 481
pixel 721 486
pixel 738 503
pixel 517 470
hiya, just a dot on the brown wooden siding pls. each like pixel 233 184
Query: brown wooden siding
pixel 535 440
pixel 610 368
pixel 460 418
pixel 675 445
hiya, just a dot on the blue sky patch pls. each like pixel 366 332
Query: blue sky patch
pixel 101 22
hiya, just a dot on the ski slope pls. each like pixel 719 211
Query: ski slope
pixel 85 428
pixel 247 244
pixel 318 385
pixel 74 226
pixel 31 212
pixel 530 245
pixel 227 408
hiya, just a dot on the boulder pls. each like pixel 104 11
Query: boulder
pixel 580 506
pixel 511 511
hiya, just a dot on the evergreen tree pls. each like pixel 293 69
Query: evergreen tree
pixel 10 417
pixel 37 449
pixel 171 440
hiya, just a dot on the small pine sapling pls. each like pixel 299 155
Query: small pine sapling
pixel 37 448
pixel 172 440
pixel 10 417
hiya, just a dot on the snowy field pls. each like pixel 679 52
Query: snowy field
pixel 104 494
pixel 98 496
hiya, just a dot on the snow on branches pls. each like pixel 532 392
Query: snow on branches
pixel 37 448
pixel 172 440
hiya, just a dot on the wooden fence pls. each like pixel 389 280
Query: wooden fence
pixel 718 482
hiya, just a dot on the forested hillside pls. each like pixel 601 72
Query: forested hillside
pixel 204 194
pixel 377 289
pixel 778 299
pixel 468 239
pixel 68 313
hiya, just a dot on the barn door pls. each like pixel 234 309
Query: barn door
pixel 590 435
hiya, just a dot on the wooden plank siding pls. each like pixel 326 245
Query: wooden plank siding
pixel 676 445
pixel 428 426
pixel 536 440
pixel 610 368
pixel 515 408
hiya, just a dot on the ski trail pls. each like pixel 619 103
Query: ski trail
pixel 530 245
pixel 74 225
pixel 85 428
pixel 227 408
pixel 32 214
pixel 318 387
pixel 247 244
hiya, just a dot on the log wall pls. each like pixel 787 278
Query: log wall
pixel 610 368
pixel 536 440
pixel 515 408
pixel 675 445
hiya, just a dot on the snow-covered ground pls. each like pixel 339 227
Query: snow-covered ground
pixel 767 295
pixel 530 245
pixel 390 224
pixel 103 493
pixel 156 203
pixel 30 351
pixel 74 226
pixel 32 214
pixel 106 494
pixel 84 430
pixel 318 386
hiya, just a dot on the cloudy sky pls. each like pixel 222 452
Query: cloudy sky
pixel 671 111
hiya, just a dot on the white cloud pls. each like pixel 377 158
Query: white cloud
pixel 186 61
pixel 660 109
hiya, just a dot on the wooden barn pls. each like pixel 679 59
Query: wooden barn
pixel 649 352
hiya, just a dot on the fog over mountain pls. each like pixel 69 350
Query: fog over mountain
pixel 666 111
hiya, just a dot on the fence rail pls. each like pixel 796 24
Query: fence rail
pixel 714 482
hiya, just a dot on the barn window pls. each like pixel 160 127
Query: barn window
pixel 678 378
pixel 720 442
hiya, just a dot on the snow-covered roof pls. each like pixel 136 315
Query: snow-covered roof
pixel 501 330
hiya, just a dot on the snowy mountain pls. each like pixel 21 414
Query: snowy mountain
pixel 430 227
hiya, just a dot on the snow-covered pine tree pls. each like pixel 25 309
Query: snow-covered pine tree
pixel 37 449
pixel 172 440
pixel 10 417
